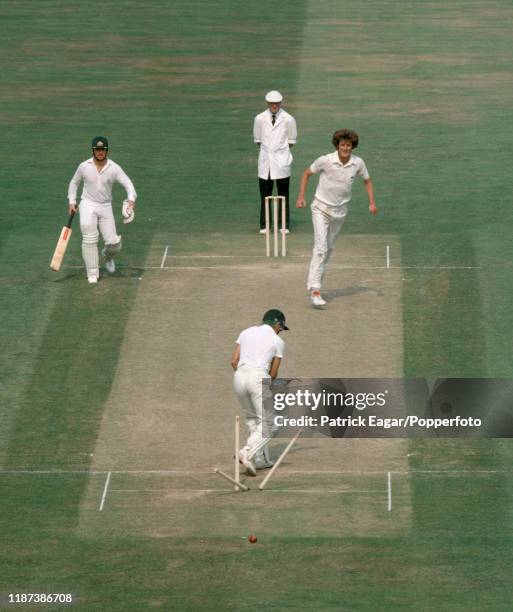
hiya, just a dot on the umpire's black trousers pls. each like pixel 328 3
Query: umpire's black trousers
pixel 266 189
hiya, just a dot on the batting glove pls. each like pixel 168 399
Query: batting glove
pixel 128 212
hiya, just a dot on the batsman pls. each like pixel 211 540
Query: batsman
pixel 98 174
pixel 257 355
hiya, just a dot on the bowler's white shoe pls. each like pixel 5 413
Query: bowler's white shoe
pixel 316 299
pixel 246 462
pixel 263 231
pixel 92 280
pixel 285 231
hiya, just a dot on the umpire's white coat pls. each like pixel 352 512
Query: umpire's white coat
pixel 275 157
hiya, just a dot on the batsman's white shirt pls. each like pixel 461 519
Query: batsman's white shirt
pixel 275 157
pixel 258 346
pixel 98 184
pixel 336 180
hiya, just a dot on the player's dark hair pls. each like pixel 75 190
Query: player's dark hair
pixel 340 135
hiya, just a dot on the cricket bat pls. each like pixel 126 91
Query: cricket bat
pixel 62 245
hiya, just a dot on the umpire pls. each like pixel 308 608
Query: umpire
pixel 275 133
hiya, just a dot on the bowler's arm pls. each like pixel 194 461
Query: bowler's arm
pixel 300 202
pixel 370 193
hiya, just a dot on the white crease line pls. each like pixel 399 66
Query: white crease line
pixel 99 472
pixel 167 490
pixel 332 267
pixel 316 491
pixel 209 472
pixel 173 490
pixel 105 488
pixel 389 508
pixel 282 261
pixel 50 472
pixel 402 472
pixel 164 257
pixel 263 257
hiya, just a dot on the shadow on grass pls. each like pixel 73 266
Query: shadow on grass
pixel 349 291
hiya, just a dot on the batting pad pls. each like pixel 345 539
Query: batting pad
pixel 111 250
pixel 90 250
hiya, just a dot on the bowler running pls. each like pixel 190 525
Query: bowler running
pixel 337 172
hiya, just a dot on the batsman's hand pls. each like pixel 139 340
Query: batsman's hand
pixel 128 211
pixel 300 203
pixel 72 208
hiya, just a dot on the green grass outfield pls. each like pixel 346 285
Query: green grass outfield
pixel 131 378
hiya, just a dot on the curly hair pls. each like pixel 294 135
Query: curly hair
pixel 345 135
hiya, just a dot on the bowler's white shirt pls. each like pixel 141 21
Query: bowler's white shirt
pixel 336 179
pixel 98 185
pixel 258 346
pixel 275 157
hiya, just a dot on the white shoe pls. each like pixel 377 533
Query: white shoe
pixel 110 266
pixel 246 462
pixel 263 231
pixel 92 280
pixel 316 299
pixel 285 231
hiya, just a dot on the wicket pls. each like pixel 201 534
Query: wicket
pixel 236 452
pixel 277 202
pixel 238 486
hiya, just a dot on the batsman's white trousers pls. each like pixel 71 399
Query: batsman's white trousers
pixel 327 224
pixel 101 216
pixel 247 383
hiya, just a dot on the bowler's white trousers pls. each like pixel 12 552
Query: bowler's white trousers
pixel 247 383
pixel 327 223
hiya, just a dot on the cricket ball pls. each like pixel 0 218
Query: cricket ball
pixel 252 539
